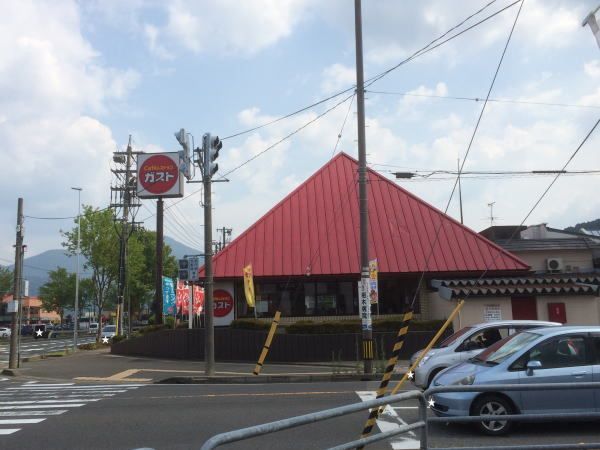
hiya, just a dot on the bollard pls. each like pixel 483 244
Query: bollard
pixel 267 345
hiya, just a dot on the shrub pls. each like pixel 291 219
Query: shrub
pixel 390 324
pixel 250 324
pixel 118 338
pixel 152 329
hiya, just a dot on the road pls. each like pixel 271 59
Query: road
pixel 36 415
pixel 31 347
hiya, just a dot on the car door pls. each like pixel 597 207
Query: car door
pixel 595 345
pixel 480 340
pixel 564 359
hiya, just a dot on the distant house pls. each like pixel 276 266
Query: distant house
pixel 562 287
pixel 305 252
pixel 31 311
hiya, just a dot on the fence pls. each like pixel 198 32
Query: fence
pixel 245 345
pixel 424 420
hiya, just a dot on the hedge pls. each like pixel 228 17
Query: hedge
pixel 250 324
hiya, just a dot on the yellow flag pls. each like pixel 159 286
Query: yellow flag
pixel 249 285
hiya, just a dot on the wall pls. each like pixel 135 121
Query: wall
pixel 581 310
pixel 574 258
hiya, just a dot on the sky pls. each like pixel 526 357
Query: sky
pixel 78 77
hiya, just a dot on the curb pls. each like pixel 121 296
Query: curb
pixel 247 379
pixel 65 352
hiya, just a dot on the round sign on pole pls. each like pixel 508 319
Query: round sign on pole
pixel 158 175
pixel 222 303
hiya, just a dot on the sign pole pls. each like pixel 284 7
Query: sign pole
pixel 13 357
pixel 158 296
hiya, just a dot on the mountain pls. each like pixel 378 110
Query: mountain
pixel 36 268
pixel 591 225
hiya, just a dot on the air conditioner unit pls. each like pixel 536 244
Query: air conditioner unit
pixel 554 264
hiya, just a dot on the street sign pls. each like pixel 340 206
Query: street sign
pixel 194 265
pixel 364 304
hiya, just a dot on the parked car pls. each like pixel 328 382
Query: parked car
pixel 109 331
pixel 26 330
pixel 466 343
pixel 42 330
pixel 93 328
pixel 545 355
pixel 5 332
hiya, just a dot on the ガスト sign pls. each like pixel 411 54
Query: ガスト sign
pixel 222 303
pixel 158 175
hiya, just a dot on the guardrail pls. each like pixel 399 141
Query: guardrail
pixel 424 420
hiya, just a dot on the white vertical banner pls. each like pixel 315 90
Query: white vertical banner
pixel 364 304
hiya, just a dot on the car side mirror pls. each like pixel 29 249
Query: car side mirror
pixel 532 365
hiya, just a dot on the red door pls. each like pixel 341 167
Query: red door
pixel 557 312
pixel 524 308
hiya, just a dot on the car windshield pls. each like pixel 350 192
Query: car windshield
pixel 449 340
pixel 110 328
pixel 505 348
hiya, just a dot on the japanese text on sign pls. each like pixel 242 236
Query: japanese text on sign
pixel 364 304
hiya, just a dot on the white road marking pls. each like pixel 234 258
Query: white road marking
pixel 28 402
pixel 9 430
pixel 58 405
pixel 19 421
pixel 389 420
pixel 55 412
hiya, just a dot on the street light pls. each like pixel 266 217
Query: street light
pixel 77 273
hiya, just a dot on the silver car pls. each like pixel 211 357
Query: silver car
pixel 544 355
pixel 466 343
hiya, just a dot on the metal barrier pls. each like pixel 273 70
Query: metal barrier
pixel 424 420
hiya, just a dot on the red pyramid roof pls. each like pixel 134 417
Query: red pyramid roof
pixel 315 229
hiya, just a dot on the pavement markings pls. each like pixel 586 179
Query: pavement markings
pixel 32 402
pixel 389 420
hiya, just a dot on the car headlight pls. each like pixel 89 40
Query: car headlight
pixel 466 381
pixel 426 358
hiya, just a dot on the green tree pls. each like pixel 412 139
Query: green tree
pixel 100 246
pixel 6 281
pixel 58 292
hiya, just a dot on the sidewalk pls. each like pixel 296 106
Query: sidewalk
pixel 101 366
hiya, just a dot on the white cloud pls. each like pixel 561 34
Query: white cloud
pixel 592 68
pixel 227 26
pixel 337 77
pixel 53 85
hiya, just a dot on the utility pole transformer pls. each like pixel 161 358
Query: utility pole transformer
pixel 13 361
pixel 367 331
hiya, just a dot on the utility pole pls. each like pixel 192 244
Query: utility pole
pixel 224 233
pixel 125 193
pixel 367 331
pixel 460 193
pixel 13 358
pixel 76 325
pixel 158 295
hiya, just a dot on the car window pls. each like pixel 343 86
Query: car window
pixel 452 338
pixel 110 328
pixel 596 346
pixel 557 352
pixel 485 338
pixel 505 348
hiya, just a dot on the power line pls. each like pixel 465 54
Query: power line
pixel 339 136
pixel 375 78
pixel 439 228
pixel 477 99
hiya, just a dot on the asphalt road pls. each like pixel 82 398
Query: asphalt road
pixel 130 416
pixel 31 347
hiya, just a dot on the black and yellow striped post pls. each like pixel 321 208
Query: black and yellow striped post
pixel 389 370
pixel 267 345
pixel 367 352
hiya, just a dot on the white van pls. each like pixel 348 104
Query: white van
pixel 93 328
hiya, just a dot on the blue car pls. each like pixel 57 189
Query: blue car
pixel 544 355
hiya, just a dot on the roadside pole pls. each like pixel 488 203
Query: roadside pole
pixel 14 332
pixel 367 331
pixel 76 324
pixel 158 297
pixel 191 307
pixel 209 331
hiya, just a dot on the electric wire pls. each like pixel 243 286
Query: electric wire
pixel 380 75
pixel 535 205
pixel 439 228
pixel 339 136
pixel 477 99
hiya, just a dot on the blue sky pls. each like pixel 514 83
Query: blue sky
pixel 78 77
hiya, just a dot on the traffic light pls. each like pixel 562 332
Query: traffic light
pixel 186 164
pixel 211 146
pixel 183 269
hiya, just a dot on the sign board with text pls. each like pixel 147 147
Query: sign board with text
pixel 364 304
pixel 158 175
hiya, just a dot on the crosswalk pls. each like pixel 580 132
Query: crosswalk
pixel 390 420
pixel 41 346
pixel 31 403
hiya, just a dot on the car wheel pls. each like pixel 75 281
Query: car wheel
pixel 432 376
pixel 496 406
